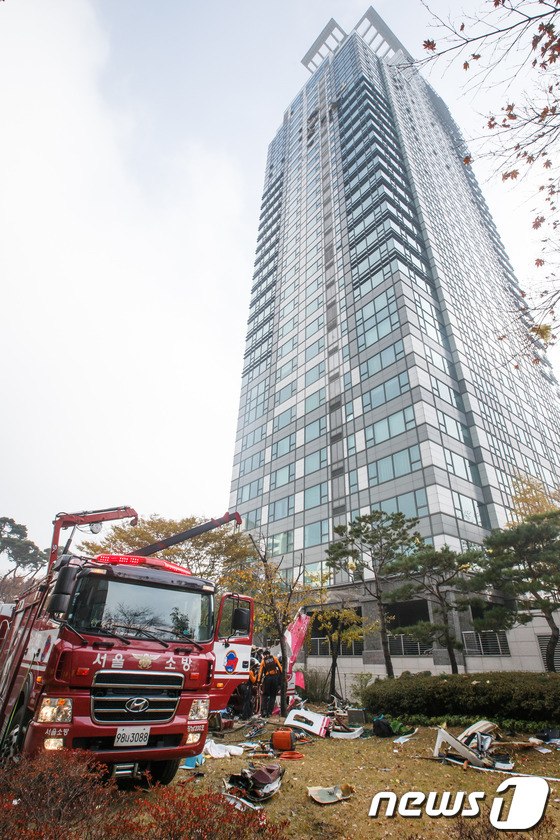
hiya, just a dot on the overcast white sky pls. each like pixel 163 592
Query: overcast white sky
pixel 133 145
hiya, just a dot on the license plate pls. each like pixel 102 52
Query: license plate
pixel 132 736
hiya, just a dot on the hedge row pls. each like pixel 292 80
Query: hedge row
pixel 495 696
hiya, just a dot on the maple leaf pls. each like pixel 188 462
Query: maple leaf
pixel 538 222
pixel 542 331
pixel 475 56
pixel 547 164
pixel 430 45
pixel 466 65
pixel 462 28
pixel 511 175
pixel 539 263
pixel 467 160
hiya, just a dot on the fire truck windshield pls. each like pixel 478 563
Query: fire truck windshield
pixel 131 609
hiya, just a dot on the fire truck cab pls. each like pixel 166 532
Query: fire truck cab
pixel 123 656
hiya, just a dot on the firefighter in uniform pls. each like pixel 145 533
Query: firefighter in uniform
pixel 269 672
pixel 246 691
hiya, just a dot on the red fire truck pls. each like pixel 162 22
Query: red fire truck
pixel 122 655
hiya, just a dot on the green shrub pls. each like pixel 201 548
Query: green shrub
pixel 358 685
pixel 316 685
pixel 512 697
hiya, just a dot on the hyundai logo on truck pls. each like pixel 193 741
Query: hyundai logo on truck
pixel 137 705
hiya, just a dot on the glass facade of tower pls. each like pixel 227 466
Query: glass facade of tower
pixel 374 376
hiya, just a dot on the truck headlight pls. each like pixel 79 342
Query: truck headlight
pixel 199 710
pixel 55 710
pixel 53 743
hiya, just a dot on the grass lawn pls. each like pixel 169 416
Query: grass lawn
pixel 372 765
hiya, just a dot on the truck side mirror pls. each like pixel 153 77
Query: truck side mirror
pixel 61 595
pixel 241 621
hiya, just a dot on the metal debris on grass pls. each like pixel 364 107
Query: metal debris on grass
pixel 330 795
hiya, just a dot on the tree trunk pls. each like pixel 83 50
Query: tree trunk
pixel 448 640
pixel 335 648
pixel 451 654
pixel 383 632
pixel 284 676
pixel 552 642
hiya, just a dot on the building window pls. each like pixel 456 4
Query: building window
pixel 314 349
pixel 316 533
pixel 316 429
pixel 315 496
pixel 470 510
pixel 282 476
pixel 382 360
pixel 251 520
pixel 249 491
pixel 447 394
pixel 439 361
pixel 407 614
pixel 315 461
pixel 313 306
pixel 287 347
pixel 284 419
pixel 254 437
pixel 256 402
pixel 315 574
pixel 315 400
pixel 252 463
pixel 388 427
pixel 285 393
pixel 386 391
pixel 289 307
pixel 314 374
pixel 453 428
pixel 280 543
pixel 377 319
pixel 462 467
pixel 314 327
pixel 393 466
pixel 430 320
pixel 281 508
pixel 412 504
pixel 286 369
pixel 283 446
pixel 286 328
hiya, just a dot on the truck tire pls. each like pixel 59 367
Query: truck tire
pixel 15 736
pixel 163 771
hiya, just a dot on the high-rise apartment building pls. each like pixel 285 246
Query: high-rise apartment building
pixel 374 376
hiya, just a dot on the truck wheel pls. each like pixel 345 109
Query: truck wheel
pixel 164 771
pixel 15 736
